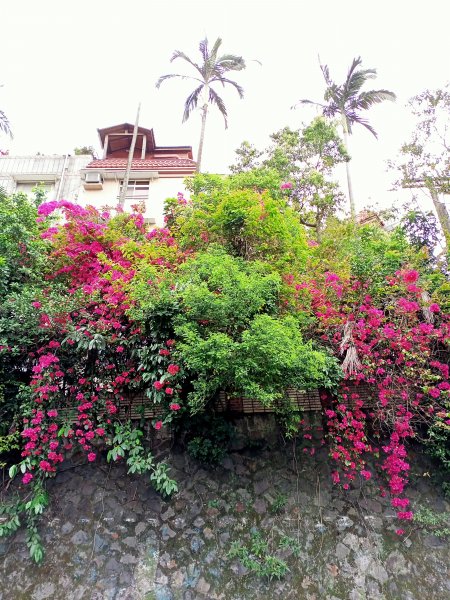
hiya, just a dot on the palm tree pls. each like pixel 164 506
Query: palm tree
pixel 347 101
pixel 213 69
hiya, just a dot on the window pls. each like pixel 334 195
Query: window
pixel 26 187
pixel 137 190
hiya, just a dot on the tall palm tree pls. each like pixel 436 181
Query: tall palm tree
pixel 212 70
pixel 347 102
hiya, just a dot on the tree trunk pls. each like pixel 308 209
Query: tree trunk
pixel 442 213
pixel 202 137
pixel 347 168
pixel 123 191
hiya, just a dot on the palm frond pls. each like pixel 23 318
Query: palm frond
pixel 4 124
pixel 183 56
pixel 230 62
pixel 305 101
pixel 215 49
pixel 224 80
pixel 191 102
pixel 203 48
pixel 171 75
pixel 355 118
pixel 210 61
pixel 367 99
pixel 326 74
pixel 353 85
pixel 214 98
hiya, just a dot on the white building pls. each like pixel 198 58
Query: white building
pixel 157 172
pixel 58 174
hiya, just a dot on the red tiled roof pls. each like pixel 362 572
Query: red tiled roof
pixel 143 164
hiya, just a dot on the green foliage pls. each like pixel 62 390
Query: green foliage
pixel 81 150
pixel 304 157
pixel 290 543
pixel 8 443
pixel 26 511
pixel 367 252
pixel 223 293
pixel 438 437
pixel 208 438
pixel 258 557
pixel 22 252
pixel 431 521
pixel 248 224
pixel 127 443
pixel 228 317
pixel 247 158
pixel 23 267
pixel 204 183
pixel 268 357
pixel 423 160
pixel 279 503
pixel 421 229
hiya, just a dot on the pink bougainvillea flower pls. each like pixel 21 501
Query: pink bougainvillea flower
pixel 407 516
pixel 331 277
pixel 27 478
pixel 174 406
pixel 410 276
pixel 119 349
pixel 91 456
pixel 435 308
pixel 286 186
pixel 52 413
pixel 36 304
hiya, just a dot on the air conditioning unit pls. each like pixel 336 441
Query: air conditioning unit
pixel 93 181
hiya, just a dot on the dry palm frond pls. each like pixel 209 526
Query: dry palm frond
pixel 351 364
pixel 427 314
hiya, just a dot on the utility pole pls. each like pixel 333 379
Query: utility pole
pixel 123 191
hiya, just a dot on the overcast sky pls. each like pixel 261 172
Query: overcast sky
pixel 69 68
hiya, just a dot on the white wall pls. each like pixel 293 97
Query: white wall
pixel 160 189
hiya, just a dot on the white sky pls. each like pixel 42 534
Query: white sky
pixel 69 68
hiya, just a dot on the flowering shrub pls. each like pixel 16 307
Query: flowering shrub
pixel 229 296
pixel 400 347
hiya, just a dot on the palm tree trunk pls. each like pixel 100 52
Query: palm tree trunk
pixel 202 137
pixel 124 189
pixel 442 213
pixel 347 168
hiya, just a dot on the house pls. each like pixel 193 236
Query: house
pixel 157 172
pixel 369 217
pixel 58 174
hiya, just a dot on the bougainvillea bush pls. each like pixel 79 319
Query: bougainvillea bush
pixel 231 295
